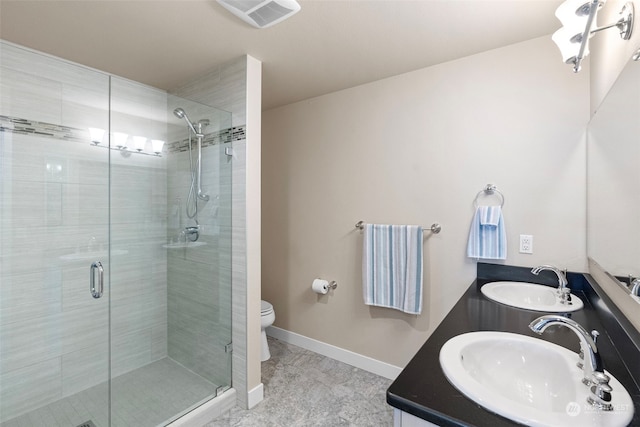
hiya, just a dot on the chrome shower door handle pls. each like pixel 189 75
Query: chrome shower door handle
pixel 96 292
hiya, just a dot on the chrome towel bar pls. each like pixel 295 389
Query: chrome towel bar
pixel 435 227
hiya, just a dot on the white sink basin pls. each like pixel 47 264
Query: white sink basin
pixel 529 296
pixel 528 380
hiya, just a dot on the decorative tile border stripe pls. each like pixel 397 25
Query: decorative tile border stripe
pixel 30 127
pixel 237 133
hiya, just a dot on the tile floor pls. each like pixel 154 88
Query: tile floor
pixel 301 388
pixel 145 397
pixel 304 389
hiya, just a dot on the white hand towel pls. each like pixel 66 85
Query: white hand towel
pixel 392 267
pixel 487 236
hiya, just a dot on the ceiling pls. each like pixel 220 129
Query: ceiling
pixel 328 46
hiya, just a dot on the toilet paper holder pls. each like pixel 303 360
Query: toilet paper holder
pixel 332 284
pixel 322 286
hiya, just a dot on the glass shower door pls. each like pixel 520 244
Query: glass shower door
pixel 115 295
pixel 199 276
pixel 54 219
pixel 170 256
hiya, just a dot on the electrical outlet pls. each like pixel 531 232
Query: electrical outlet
pixel 526 244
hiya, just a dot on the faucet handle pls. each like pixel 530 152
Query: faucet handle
pixel 595 334
pixel 192 232
pixel 600 392
pixel 565 296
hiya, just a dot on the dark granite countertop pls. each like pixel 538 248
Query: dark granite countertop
pixel 422 390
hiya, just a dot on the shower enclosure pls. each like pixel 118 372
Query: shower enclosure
pixel 115 301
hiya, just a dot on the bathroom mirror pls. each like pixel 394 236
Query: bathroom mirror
pixel 613 178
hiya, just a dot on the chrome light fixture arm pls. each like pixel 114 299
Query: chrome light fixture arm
pixel 567 14
pixel 593 9
pixel 624 24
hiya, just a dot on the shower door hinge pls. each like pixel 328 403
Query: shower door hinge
pixel 222 389
pixel 228 348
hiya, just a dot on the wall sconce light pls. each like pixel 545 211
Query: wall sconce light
pixel 96 135
pixel 120 140
pixel 578 18
pixel 139 142
pixel 156 145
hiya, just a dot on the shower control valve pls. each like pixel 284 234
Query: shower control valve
pixel 192 232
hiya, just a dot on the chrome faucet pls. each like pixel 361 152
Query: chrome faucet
pixel 594 376
pixel 635 287
pixel 563 290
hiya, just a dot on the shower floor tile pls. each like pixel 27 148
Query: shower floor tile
pixel 148 396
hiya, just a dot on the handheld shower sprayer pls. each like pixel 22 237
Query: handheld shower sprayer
pixel 195 191
pixel 181 114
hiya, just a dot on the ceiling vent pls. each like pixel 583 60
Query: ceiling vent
pixel 261 13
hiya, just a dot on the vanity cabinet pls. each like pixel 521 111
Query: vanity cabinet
pixel 404 419
pixel 422 396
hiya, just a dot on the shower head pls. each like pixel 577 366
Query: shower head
pixel 181 114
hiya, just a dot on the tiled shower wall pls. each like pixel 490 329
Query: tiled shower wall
pixel 54 217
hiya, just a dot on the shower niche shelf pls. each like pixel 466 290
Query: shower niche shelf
pixel 183 245
pixel 126 151
pixel 92 255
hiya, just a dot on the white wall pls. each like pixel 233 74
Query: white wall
pixel 609 53
pixel 415 149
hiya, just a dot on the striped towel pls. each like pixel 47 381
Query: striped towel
pixel 487 237
pixel 392 267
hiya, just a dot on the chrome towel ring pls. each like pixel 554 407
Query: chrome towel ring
pixel 489 190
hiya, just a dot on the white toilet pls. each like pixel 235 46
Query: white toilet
pixel 267 317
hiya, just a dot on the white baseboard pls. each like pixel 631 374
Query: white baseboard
pixel 255 396
pixel 346 356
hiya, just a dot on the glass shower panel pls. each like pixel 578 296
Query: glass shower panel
pixel 170 265
pixel 199 263
pixel 54 218
pixel 138 261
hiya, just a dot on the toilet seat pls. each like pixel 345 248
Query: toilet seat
pixel 265 308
